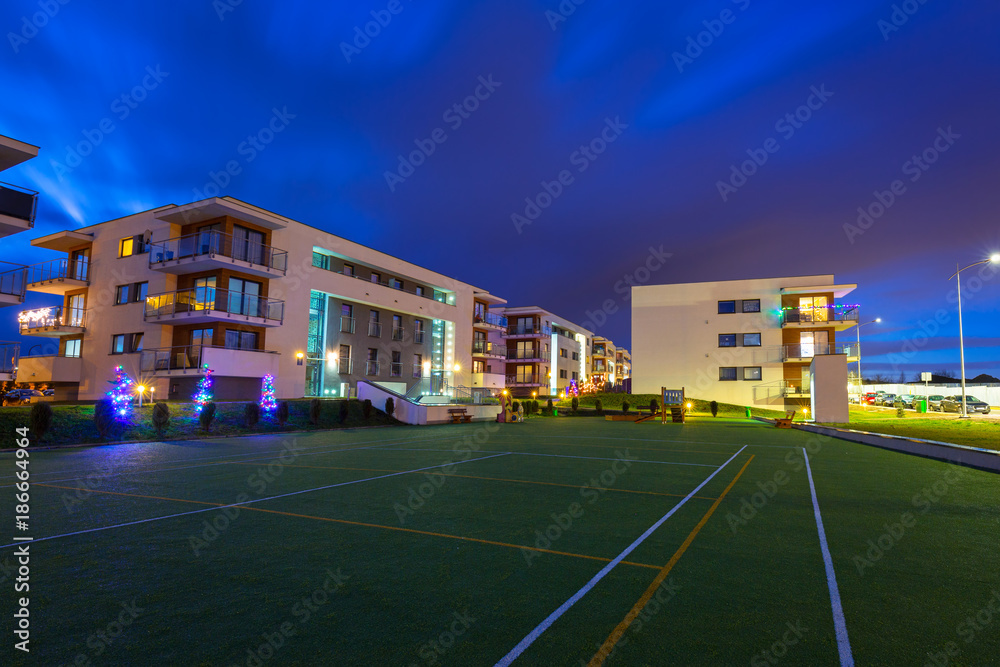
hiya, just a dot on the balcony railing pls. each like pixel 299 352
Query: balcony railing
pixel 13 279
pixel 491 319
pixel 402 286
pixel 513 354
pixel 807 351
pixel 528 330
pixel 532 379
pixel 346 324
pixel 211 300
pixel 18 202
pixel 55 317
pixel 191 358
pixel 819 315
pixel 9 354
pixel 418 336
pixel 780 389
pixel 345 366
pixel 60 269
pixel 418 370
pixel 375 329
pixel 396 369
pixel 487 348
pixel 215 243
pixel 397 333
pixel 371 367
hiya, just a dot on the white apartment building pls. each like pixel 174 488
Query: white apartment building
pixel 746 342
pixel 245 292
pixel 544 353
pixel 604 367
pixel 17 214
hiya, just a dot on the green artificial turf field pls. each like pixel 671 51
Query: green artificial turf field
pixel 535 544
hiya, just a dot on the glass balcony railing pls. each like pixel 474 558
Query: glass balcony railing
pixel 215 243
pixel 491 319
pixel 13 279
pixel 59 269
pixel 528 330
pixel 18 202
pixel 819 316
pixel 514 354
pixel 212 300
pixel 487 348
pixel 524 379
pixel 48 318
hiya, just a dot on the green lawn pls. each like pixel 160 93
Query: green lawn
pixel 975 432
pixel 456 565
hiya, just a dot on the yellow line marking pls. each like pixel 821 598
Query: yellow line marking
pixel 361 523
pixel 609 644
pixel 494 479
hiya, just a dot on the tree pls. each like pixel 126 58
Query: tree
pixel 41 419
pixel 206 413
pixel 161 417
pixel 390 406
pixel 267 399
pixel 714 407
pixel 121 395
pixel 282 413
pixel 203 393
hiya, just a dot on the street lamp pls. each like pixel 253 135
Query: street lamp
pixel 995 259
pixel 861 382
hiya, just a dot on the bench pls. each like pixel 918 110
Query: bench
pixel 787 421
pixel 459 415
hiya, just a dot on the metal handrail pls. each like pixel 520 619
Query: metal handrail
pixel 397 333
pixel 212 299
pixel 345 366
pixel 181 357
pixel 214 243
pixel 493 319
pixel 9 355
pixel 806 351
pixel 524 379
pixel 55 316
pixel 349 322
pixel 396 369
pixel 514 354
pixel 371 367
pixel 418 336
pixel 521 330
pixel 819 315
pixel 418 370
pixel 431 293
pixel 60 269
pixel 14 281
pixel 488 348
pixel 375 329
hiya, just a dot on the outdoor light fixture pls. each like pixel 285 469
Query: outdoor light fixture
pixel 458 367
pixel 299 356
pixel 995 259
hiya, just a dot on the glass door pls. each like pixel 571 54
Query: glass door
pixel 244 297
pixel 80 264
pixel 204 294
pixel 77 306
pixel 209 239
pixel 248 245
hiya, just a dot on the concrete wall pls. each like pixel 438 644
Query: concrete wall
pixel 420 413
pixel 829 389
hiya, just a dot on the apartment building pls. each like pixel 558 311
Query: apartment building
pixel 623 361
pixel 17 214
pixel 544 352
pixel 225 285
pixel 747 342
pixel 605 362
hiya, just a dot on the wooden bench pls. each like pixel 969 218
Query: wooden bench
pixel 787 421
pixel 459 415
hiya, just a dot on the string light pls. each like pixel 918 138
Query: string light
pixel 121 394
pixel 203 393
pixel 267 400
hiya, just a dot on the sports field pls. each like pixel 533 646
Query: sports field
pixel 554 542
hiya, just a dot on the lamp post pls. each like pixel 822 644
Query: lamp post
pixel 995 259
pixel 861 382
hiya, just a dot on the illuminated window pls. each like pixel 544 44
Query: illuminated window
pixel 727 374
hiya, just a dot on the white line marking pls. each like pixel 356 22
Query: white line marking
pixel 839 624
pixel 250 502
pixel 564 607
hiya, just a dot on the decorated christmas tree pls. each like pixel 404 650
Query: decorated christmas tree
pixel 203 393
pixel 121 394
pixel 268 403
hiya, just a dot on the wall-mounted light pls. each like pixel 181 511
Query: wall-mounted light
pixel 457 368
pixel 299 356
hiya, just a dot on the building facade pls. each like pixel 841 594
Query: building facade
pixel 224 285
pixel 746 342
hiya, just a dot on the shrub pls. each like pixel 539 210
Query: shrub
pixel 575 404
pixel 366 409
pixel 345 410
pixel 549 406
pixel 535 407
pixel 514 407
pixel 207 415
pixel 41 419
pixel 599 407
pixel 282 413
pixel 714 407
pixel 104 418
pixel 900 410
pixel 251 415
pixel 161 417
pixel 390 406
pixel 625 407
pixel 653 405
pixel 314 410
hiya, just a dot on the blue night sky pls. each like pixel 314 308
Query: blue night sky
pixel 212 76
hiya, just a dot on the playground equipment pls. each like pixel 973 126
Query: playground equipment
pixel 507 414
pixel 674 399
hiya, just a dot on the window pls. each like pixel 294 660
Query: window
pixel 751 305
pixel 418 290
pixel 562 352
pixel 321 261
pixel 562 374
pixel 576 376
pixel 140 291
pixel 751 340
pixel 727 373
pixel 131 293
pixel 418 331
pixel 248 245
pixel 727 307
pixel 751 373
pixel 132 245
pixel 348 269
pixel 376 277
pixel 72 348
pixel 120 344
pixel 576 356
pixel 374 326
pixel 344 364
pixel 397 327
pixel 371 365
pixel 479 311
pixel 346 318
pixel 418 365
pixel 478 367
pixel 727 340
pixel 241 340
pixel 395 283
pixel 396 370
pixel 121 294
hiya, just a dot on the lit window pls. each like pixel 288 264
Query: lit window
pixel 727 340
pixel 751 305
pixel 126 247
pixel 727 373
pixel 751 373
pixel 751 340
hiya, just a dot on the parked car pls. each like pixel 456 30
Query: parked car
pixel 908 400
pixel 934 402
pixel 887 400
pixel 20 396
pixel 48 392
pixel 871 398
pixel 972 404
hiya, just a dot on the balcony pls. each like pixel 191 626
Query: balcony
pixel 836 317
pixel 206 251
pixel 9 354
pixel 490 321
pixel 397 333
pixel 12 284
pixel 375 329
pixel 50 368
pixel 346 324
pixel 526 380
pixel 371 367
pixel 778 390
pixel 527 331
pixel 52 322
pixel 182 360
pixel 800 353
pixel 396 370
pixel 17 209
pixel 418 336
pixel 59 276
pixel 601 352
pixel 514 354
pixel 482 348
pixel 207 305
